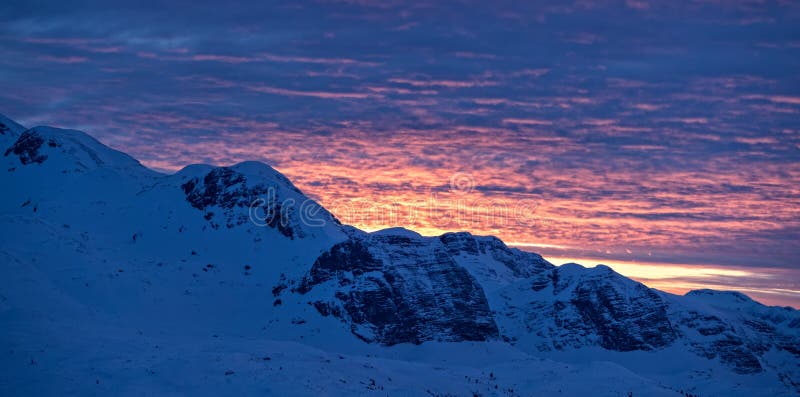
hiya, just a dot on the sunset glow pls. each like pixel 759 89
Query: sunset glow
pixel 668 149
pixel 768 285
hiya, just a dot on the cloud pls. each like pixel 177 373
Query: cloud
pixel 324 61
pixel 82 44
pixel 314 94
pixel 443 83
pixel 678 150
pixel 791 100
pixel 66 59
pixel 762 140
pixel 221 58
pixel 526 121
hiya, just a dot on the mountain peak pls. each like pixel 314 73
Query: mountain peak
pixel 397 231
pixel 254 171
pixel 722 296
pixel 70 151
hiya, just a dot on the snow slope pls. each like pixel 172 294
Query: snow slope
pixel 229 280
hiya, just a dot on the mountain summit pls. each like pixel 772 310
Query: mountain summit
pixel 229 280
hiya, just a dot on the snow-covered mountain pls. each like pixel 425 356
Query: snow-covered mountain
pixel 229 280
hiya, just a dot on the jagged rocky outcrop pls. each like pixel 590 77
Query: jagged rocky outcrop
pixel 228 196
pixel 28 147
pixel 396 289
pixel 612 311
pixel 491 258
pixel 225 190
pixel 568 306
pixel 734 329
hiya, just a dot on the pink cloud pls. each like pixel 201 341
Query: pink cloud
pixel 526 121
pixel 530 72
pixel 443 83
pixel 785 99
pixel 648 107
pixel 221 58
pixel 793 100
pixel 324 61
pixel 315 94
pixel 400 91
pixel 686 120
pixel 764 140
pixel 68 59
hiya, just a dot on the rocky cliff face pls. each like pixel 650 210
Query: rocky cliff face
pixel 395 289
pixel 564 307
pixel 254 194
pixel 606 309
pixel 28 148
pixel 398 287
pixel 739 332
pixel 227 191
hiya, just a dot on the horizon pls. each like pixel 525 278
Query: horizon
pixel 662 138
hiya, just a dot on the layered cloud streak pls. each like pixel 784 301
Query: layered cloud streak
pixel 645 132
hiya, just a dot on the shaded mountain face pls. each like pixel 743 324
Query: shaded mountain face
pixel 241 248
pixel 619 314
pixel 741 333
pixel 395 289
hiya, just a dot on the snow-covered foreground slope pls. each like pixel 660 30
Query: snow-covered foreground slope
pixel 222 281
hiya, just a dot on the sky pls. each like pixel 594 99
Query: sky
pixel 662 138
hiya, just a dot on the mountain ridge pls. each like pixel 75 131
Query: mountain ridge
pixel 327 280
